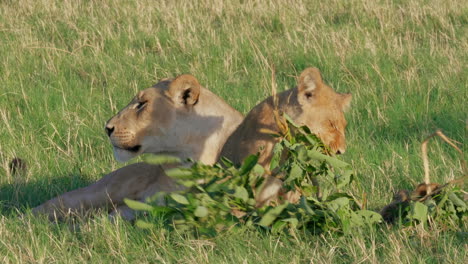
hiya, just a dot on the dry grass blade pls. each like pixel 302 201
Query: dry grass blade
pixel 426 161
pixel 280 121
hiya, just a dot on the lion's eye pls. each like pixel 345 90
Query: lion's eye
pixel 140 105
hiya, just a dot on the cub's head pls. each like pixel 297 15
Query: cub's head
pixel 322 109
pixel 151 122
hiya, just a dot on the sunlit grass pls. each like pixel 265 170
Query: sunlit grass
pixel 67 66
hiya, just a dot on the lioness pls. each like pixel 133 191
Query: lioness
pixel 176 117
pixel 311 103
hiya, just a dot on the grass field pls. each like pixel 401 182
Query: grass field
pixel 68 66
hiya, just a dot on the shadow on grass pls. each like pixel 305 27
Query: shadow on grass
pixel 22 195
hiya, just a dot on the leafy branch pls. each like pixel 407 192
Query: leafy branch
pixel 223 196
pixel 311 192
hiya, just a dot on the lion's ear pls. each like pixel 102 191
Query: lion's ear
pixel 345 101
pixel 310 81
pixel 184 90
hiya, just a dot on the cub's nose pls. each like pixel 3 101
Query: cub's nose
pixel 109 130
pixel 340 151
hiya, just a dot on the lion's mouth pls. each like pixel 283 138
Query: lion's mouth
pixel 135 148
pixel 131 149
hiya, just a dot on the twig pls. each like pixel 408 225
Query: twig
pixel 426 161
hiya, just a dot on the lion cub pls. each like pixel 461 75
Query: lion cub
pixel 311 103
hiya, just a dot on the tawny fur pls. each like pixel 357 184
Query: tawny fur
pixel 311 103
pixel 176 117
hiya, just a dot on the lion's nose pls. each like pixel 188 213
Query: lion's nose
pixel 340 151
pixel 109 130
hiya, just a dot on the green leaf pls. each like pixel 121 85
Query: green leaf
pixel 241 193
pixel 338 203
pixel 369 217
pixel 290 121
pixel 137 205
pixel 301 154
pixel 278 226
pixel 248 164
pixel 272 214
pixel 313 139
pixel 293 222
pixel 162 210
pixel 179 173
pixel 295 173
pixel 256 176
pixel 143 224
pixel 443 199
pixel 213 187
pixel 335 162
pixel 179 198
pixel 201 211
pixel 459 203
pixel 226 162
pixel 419 212
pixel 275 160
pixel 187 183
pixel 160 159
pixel 343 179
pixel 304 205
pixel 258 169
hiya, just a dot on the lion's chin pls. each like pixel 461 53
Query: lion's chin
pixel 123 155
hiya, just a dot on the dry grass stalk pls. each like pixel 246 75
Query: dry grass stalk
pixel 427 181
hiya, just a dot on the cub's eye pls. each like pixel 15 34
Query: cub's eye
pixel 140 105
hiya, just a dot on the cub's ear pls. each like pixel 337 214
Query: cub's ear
pixel 345 101
pixel 184 90
pixel 310 80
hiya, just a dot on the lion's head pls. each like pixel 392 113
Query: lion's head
pixel 176 117
pixel 311 103
pixel 321 109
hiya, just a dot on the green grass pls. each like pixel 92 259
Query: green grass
pixel 68 66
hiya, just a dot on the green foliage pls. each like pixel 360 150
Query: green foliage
pixel 447 209
pixel 223 196
pixel 67 66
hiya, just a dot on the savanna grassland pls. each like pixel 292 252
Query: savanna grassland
pixel 68 66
